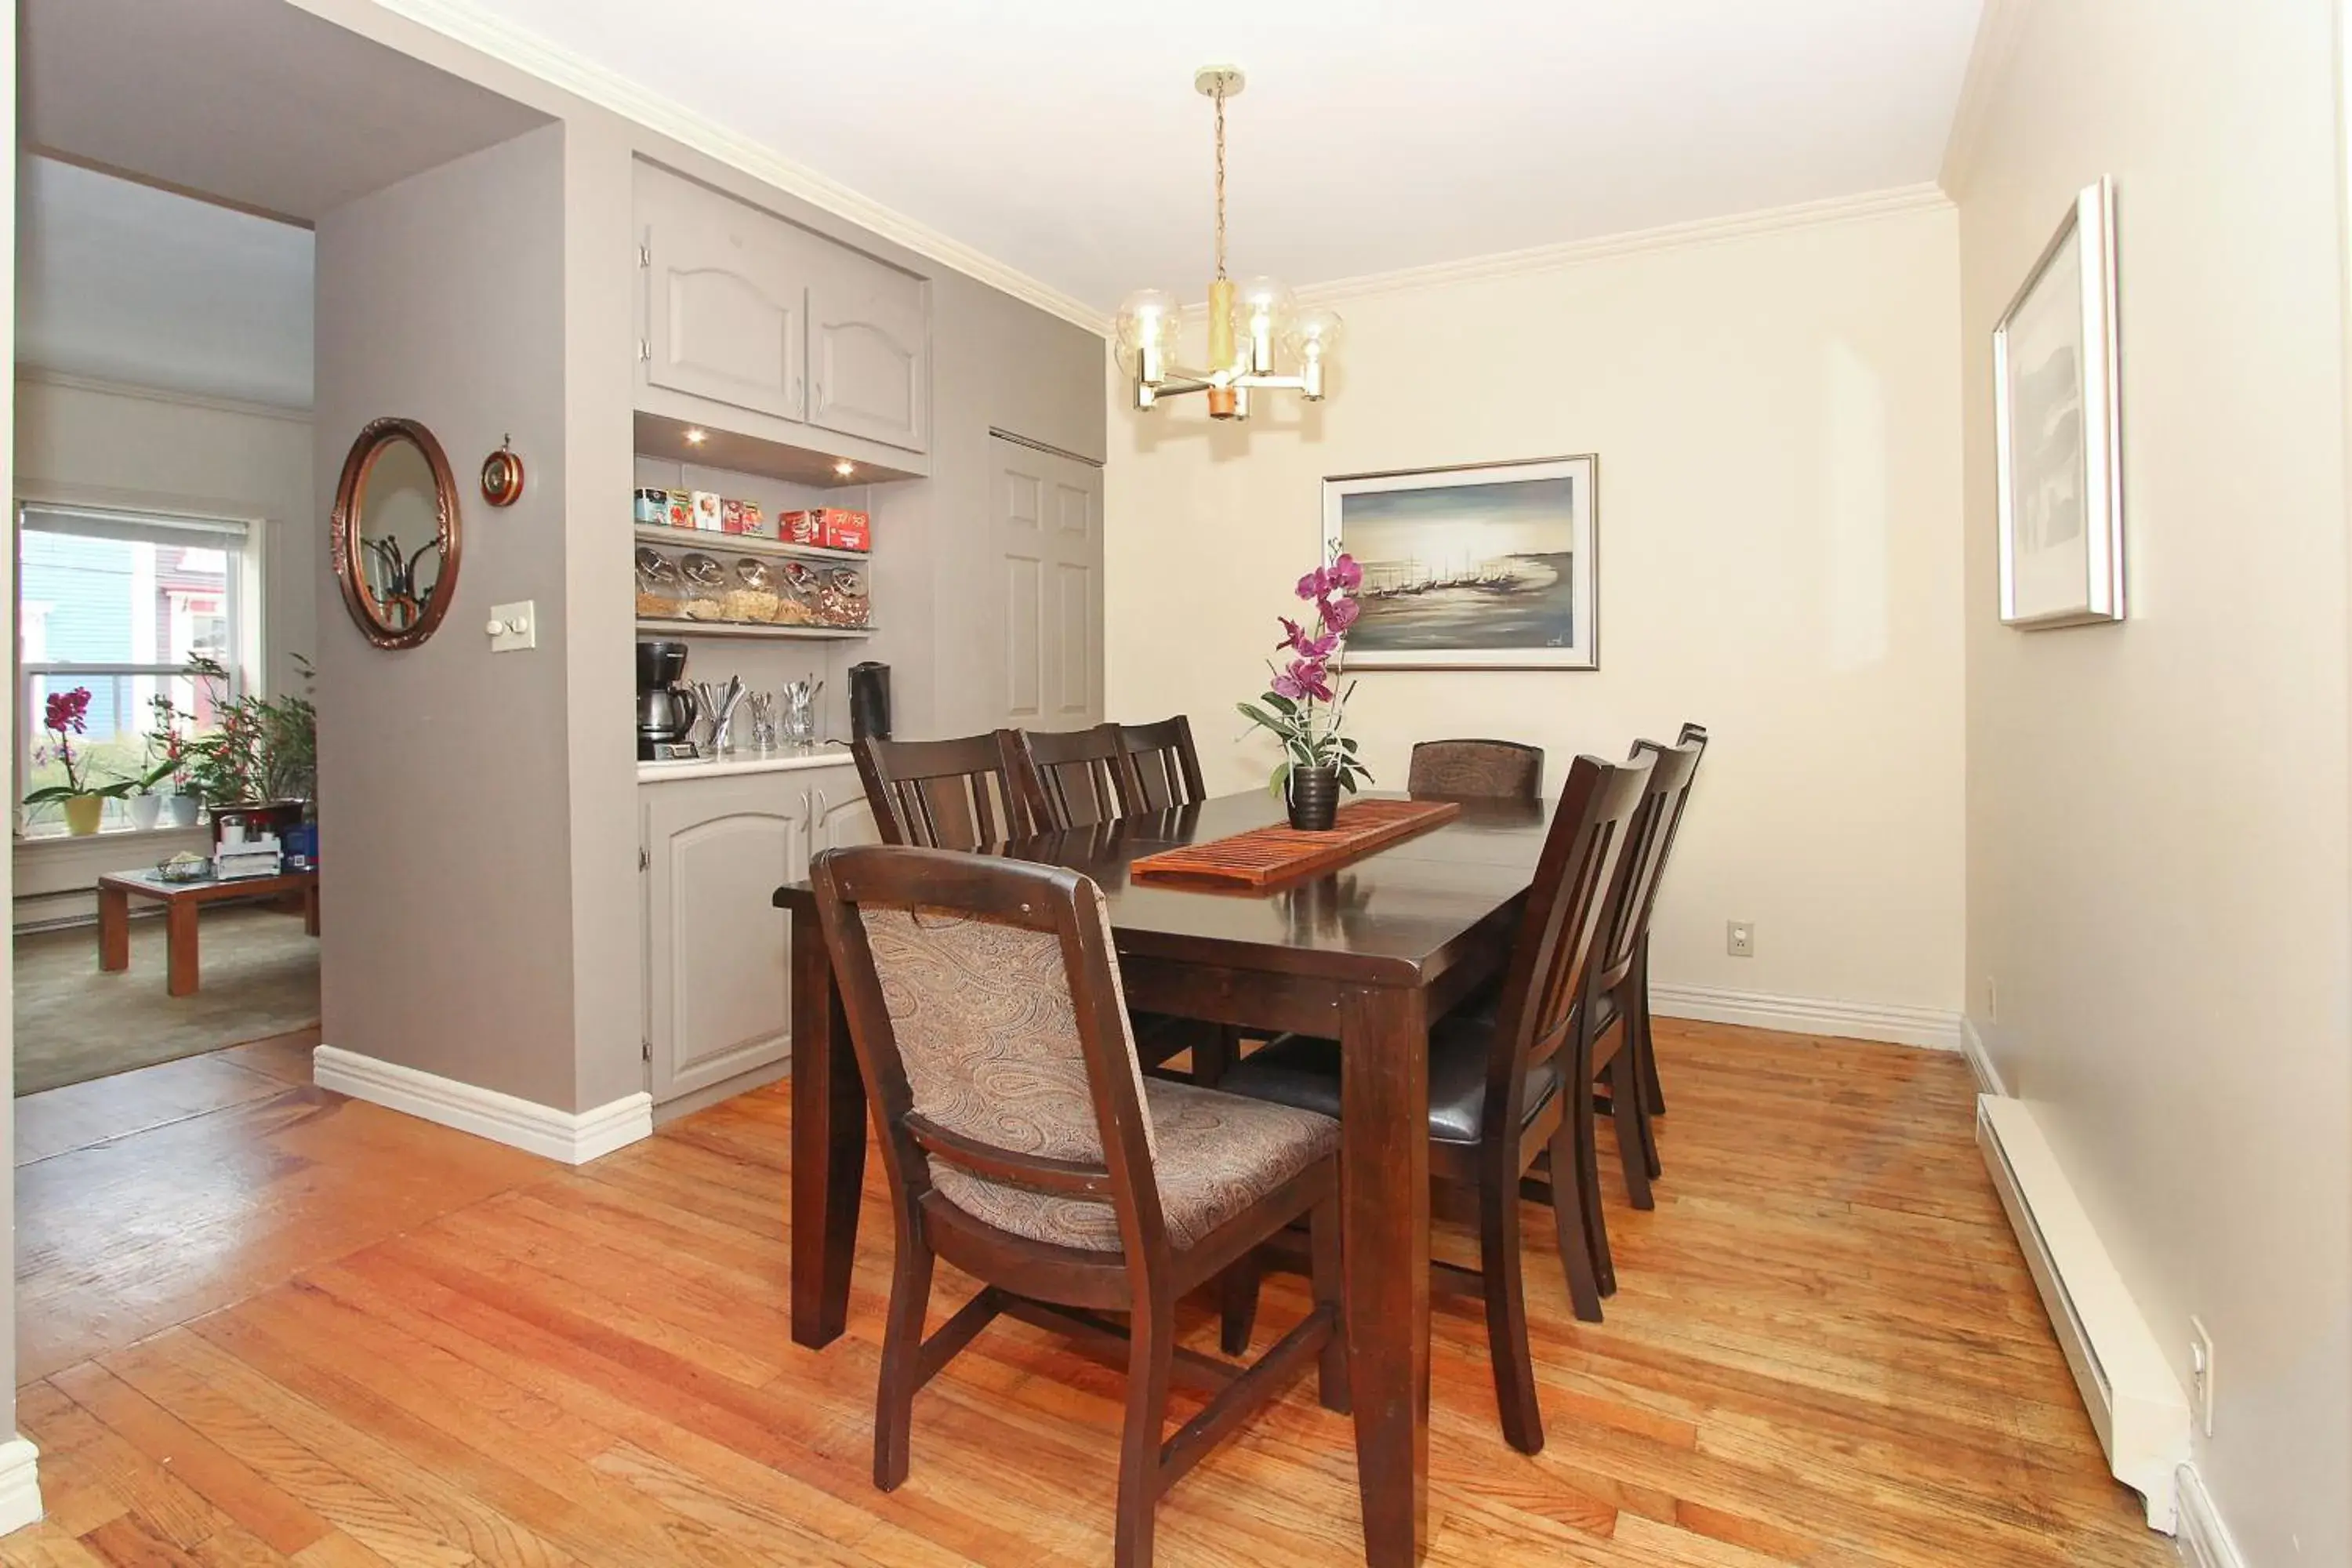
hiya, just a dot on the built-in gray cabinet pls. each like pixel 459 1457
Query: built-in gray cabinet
pixel 745 310
pixel 717 981
pixel 717 977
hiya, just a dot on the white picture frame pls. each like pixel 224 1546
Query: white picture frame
pixel 2057 436
pixel 1478 566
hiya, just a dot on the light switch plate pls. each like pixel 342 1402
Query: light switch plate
pixel 513 627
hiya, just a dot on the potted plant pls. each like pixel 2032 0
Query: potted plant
pixel 263 755
pixel 1300 708
pixel 167 744
pixel 81 796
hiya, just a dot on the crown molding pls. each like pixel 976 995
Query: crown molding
pixel 1926 196
pixel 469 24
pixel 2000 29
pixel 38 375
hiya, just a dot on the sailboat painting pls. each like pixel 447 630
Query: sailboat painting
pixel 1489 567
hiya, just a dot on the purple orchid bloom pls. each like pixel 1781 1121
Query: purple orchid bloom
pixel 1304 679
pixel 1339 614
pixel 1293 633
pixel 1344 574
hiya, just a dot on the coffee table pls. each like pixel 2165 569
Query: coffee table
pixel 181 900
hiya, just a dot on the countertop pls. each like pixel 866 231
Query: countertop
pixel 730 767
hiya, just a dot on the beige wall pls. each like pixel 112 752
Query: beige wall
pixel 2157 868
pixel 1776 422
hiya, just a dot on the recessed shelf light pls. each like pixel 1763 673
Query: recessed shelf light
pixel 697 438
pixel 845 467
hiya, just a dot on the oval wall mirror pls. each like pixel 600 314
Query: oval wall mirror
pixel 395 532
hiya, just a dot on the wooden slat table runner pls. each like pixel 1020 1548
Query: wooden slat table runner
pixel 1280 852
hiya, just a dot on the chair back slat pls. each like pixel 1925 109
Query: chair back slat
pixel 943 794
pixel 1071 778
pixel 1566 906
pixel 1163 770
pixel 1481 770
pixel 984 1005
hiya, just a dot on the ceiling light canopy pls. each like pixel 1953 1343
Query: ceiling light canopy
pixel 1254 327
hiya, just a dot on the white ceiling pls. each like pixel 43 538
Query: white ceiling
pixel 1064 138
pixel 127 283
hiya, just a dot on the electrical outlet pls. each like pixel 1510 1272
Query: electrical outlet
pixel 2201 1372
pixel 1992 1001
pixel 1740 939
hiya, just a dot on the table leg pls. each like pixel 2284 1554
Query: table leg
pixel 828 1174
pixel 1384 1196
pixel 113 929
pixel 310 909
pixel 180 937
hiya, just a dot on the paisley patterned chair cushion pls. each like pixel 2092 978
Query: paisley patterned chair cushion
pixel 987 1030
pixel 1218 1153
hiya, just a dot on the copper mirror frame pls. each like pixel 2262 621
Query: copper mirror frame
pixel 350 536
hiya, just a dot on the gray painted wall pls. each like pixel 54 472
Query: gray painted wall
pixel 443 770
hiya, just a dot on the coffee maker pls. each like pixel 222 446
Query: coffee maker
pixel 666 709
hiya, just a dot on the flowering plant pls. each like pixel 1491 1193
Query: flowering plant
pixel 1300 707
pixel 66 716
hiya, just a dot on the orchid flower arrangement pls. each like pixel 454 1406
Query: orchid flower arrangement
pixel 1300 707
pixel 66 715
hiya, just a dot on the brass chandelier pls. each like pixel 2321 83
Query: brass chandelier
pixel 1247 325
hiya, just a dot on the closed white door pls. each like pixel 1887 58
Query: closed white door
pixel 1046 511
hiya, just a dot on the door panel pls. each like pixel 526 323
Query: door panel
pixel 870 338
pixel 1048 529
pixel 726 297
pixel 719 986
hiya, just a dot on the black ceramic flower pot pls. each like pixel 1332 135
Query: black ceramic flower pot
pixel 1314 798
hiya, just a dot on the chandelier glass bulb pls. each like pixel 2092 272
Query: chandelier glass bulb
pixel 1150 320
pixel 1313 332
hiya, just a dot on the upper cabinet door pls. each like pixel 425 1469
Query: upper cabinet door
pixel 869 350
pixel 726 297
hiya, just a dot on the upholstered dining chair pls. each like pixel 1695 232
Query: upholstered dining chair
pixel 1506 1087
pixel 1476 768
pixel 943 794
pixel 1077 778
pixel 1070 778
pixel 1163 770
pixel 1023 1145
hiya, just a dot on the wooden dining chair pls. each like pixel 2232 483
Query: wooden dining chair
pixel 1023 1145
pixel 1653 1093
pixel 1163 770
pixel 943 794
pixel 1618 982
pixel 1077 778
pixel 1476 770
pixel 1507 1087
pixel 1071 778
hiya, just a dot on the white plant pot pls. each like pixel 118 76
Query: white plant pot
pixel 180 810
pixel 145 809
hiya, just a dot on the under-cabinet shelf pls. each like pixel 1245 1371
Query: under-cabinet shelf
pixel 743 544
pixel 748 629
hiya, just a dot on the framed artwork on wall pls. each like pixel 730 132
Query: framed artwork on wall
pixel 2057 442
pixel 1486 566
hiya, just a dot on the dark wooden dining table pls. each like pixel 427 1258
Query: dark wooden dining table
pixel 1367 953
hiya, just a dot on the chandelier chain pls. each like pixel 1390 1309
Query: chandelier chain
pixel 1221 182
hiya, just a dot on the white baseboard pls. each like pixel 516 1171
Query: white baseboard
pixel 1929 1026
pixel 1980 1062
pixel 2127 1386
pixel 2203 1540
pixel 20 1484
pixel 573 1137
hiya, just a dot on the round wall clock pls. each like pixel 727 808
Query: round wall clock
pixel 502 476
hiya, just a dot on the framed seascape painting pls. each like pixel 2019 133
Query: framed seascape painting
pixel 1481 567
pixel 2057 442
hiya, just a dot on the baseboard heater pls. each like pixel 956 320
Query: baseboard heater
pixel 2127 1385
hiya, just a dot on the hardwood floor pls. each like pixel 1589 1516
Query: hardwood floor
pixel 294 1328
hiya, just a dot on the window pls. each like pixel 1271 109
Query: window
pixel 121 602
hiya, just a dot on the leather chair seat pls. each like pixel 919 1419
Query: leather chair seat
pixel 1302 1072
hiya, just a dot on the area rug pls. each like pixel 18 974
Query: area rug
pixel 259 977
